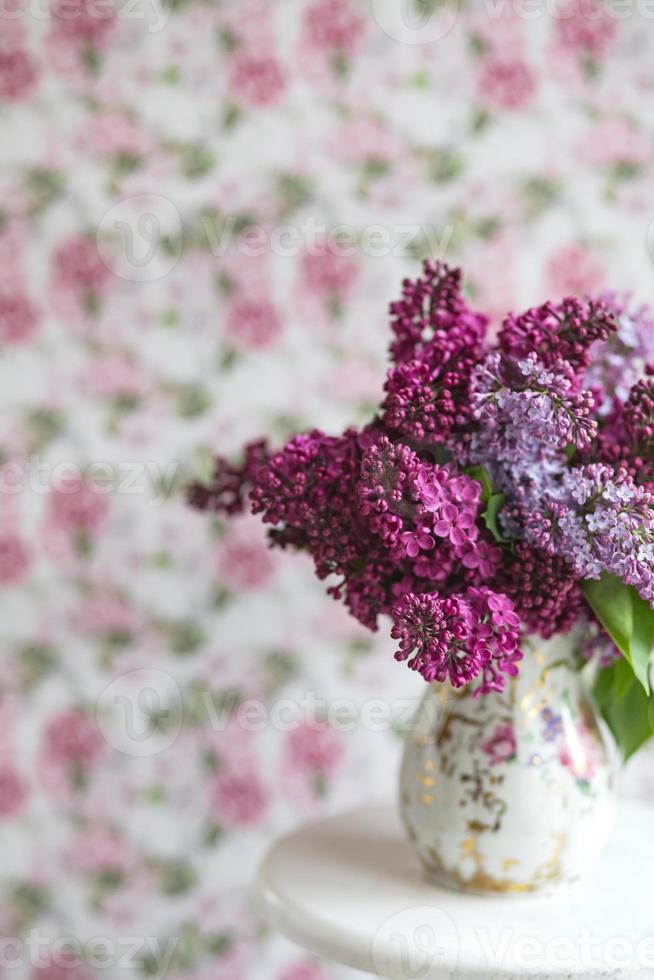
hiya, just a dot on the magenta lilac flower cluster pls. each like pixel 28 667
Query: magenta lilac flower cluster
pixel 494 479
pixel 459 638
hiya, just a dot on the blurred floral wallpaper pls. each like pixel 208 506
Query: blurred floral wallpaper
pixel 205 209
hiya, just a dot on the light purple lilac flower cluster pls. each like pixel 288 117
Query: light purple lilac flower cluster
pixel 599 521
pixel 492 481
pixel 528 415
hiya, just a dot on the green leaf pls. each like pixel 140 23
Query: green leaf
pixel 603 686
pixel 490 515
pixel 628 620
pixel 625 706
pixel 609 598
pixel 490 496
pixel 642 641
pixel 480 474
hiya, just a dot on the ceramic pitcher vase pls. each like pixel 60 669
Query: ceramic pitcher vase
pixel 511 792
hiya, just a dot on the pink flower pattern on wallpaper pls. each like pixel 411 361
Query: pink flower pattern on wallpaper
pixel 522 149
pixel 18 319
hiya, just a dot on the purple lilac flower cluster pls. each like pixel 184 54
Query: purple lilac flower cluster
pixel 527 416
pixel 438 342
pixel 543 587
pixel 599 521
pixel 494 479
pixel 459 638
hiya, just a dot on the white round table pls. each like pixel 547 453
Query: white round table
pixel 350 890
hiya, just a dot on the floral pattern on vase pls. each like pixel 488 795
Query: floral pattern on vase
pixel 513 792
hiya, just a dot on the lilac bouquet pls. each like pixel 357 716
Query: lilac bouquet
pixel 502 487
